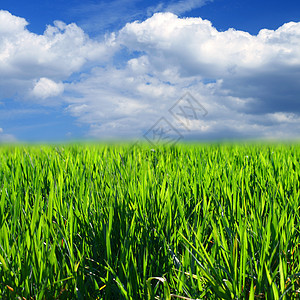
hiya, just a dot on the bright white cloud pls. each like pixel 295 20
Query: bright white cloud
pixel 26 57
pixel 249 84
pixel 196 47
pixel 10 24
pixel 45 88
pixel 233 73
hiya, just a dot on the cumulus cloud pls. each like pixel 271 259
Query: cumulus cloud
pixel 196 47
pixel 45 88
pixel 249 84
pixel 26 58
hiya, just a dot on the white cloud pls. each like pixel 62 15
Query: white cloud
pixel 249 84
pixel 45 88
pixel 177 7
pixel 10 24
pixel 26 57
pixel 233 73
pixel 181 6
pixel 196 47
pixel 286 118
pixel 108 98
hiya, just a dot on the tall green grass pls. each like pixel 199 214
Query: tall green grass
pixel 120 222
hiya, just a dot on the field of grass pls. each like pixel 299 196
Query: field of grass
pixel 120 222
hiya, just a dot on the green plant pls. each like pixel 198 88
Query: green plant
pixel 121 222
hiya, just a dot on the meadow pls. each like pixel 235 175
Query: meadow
pixel 175 222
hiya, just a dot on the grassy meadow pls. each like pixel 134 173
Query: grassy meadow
pixel 176 222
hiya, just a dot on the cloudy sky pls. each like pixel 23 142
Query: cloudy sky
pixel 193 69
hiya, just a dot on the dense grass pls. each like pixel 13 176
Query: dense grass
pixel 114 222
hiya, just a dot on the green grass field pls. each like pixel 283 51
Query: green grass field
pixel 120 222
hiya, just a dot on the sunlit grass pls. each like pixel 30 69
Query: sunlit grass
pixel 120 222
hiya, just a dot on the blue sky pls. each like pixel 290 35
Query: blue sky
pixel 72 70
